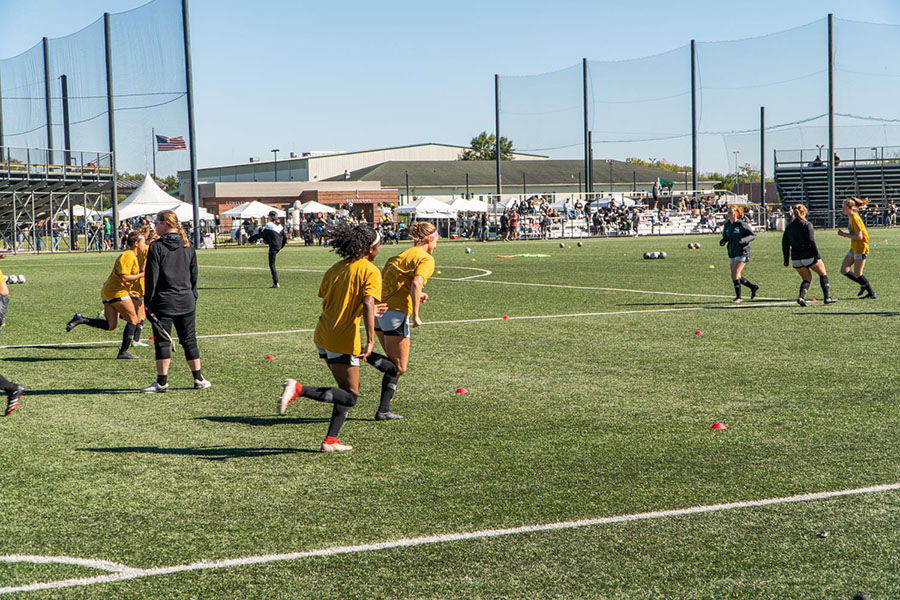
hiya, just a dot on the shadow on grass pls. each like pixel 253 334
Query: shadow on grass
pixel 35 359
pixel 203 452
pixel 269 421
pixel 876 313
pixel 81 391
pixel 102 346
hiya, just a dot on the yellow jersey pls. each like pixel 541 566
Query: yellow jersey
pixel 399 271
pixel 142 261
pixel 857 225
pixel 126 264
pixel 343 288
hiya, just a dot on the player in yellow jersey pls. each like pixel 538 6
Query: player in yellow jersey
pixel 137 296
pixel 349 290
pixel 403 278
pixel 859 247
pixel 116 296
pixel 13 391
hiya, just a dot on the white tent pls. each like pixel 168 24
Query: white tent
pixel 185 212
pixel 313 208
pixel 469 205
pixel 621 200
pixel 427 208
pixel 147 199
pixel 254 208
pixel 79 211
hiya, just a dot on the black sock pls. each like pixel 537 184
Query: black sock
pixel 334 395
pixel 853 278
pixel 826 287
pixel 737 287
pixel 162 379
pixel 98 323
pixel 388 387
pixel 138 329
pixel 338 416
pixel 382 363
pixel 745 281
pixel 127 337
pixel 7 386
pixel 865 283
pixel 804 287
pixel 198 375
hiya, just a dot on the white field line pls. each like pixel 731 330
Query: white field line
pixel 100 565
pixel 455 322
pixel 436 539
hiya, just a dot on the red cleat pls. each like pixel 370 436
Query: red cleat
pixel 288 394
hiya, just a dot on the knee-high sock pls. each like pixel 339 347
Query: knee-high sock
pixel 804 286
pixel 98 323
pixel 382 363
pixel 333 395
pixel 737 287
pixel 745 281
pixel 849 275
pixel 127 337
pixel 6 385
pixel 865 283
pixel 826 287
pixel 388 387
pixel 338 416
pixel 138 329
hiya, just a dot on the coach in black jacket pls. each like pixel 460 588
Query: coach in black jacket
pixel 170 295
pixel 274 236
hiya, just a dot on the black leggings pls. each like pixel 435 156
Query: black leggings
pixel 272 254
pixel 187 336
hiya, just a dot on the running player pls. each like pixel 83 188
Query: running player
pixel 738 234
pixel 349 290
pixel 859 247
pixel 13 391
pixel 799 244
pixel 116 296
pixel 404 276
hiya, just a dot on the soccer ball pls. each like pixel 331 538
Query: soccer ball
pixel 663 255
pixel 580 244
pixel 13 279
pixel 468 251
pixel 654 255
pixel 697 246
pixel 646 255
pixel 21 279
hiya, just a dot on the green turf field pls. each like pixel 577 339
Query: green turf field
pixel 598 404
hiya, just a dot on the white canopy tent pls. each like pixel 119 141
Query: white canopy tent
pixel 80 211
pixel 147 199
pixel 313 208
pixel 185 212
pixel 621 200
pixel 254 208
pixel 469 205
pixel 428 208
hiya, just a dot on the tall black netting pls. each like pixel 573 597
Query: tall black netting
pixel 24 111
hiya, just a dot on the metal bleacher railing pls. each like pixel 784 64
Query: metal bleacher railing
pixel 29 164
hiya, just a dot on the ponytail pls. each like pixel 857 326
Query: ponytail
pixel 171 220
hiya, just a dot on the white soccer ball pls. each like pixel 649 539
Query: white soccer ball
pixel 580 244
pixel 468 251
pixel 13 279
pixel 646 255
pixel 562 245
pixel 662 255
pixel 654 255
pixel 21 279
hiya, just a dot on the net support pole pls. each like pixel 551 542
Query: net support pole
pixel 111 126
pixel 67 133
pixel 693 115
pixel 831 190
pixel 587 142
pixel 762 161
pixel 590 171
pixel 47 102
pixel 2 149
pixel 192 142
pixel 497 131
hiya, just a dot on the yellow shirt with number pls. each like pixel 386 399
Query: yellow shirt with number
pixel 342 291
pixel 399 271
pixel 126 264
pixel 857 225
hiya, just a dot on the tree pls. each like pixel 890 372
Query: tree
pixel 484 147
pixel 658 163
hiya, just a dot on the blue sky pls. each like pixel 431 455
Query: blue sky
pixel 351 75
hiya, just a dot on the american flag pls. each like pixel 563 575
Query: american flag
pixel 164 143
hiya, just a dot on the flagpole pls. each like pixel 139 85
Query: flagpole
pixel 153 142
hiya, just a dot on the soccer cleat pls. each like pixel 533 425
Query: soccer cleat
pixel 830 300
pixel 387 416
pixel 289 393
pixel 74 322
pixel 202 384
pixel 12 400
pixel 139 344
pixel 155 388
pixel 737 301
pixel 126 355
pixel 753 291
pixel 870 296
pixel 801 301
pixel 275 285
pixel 332 444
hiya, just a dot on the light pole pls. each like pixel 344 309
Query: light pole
pixel 736 172
pixel 407 186
pixel 275 151
pixel 819 148
pixel 609 162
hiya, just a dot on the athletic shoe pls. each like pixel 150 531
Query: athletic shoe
pixel 126 355
pixel 830 300
pixel 75 322
pixel 202 384
pixel 387 416
pixel 155 388
pixel 801 301
pixel 139 344
pixel 870 296
pixel 753 291
pixel 275 285
pixel 737 301
pixel 12 400
pixel 332 444
pixel 289 393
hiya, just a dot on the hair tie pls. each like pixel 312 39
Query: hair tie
pixel 377 240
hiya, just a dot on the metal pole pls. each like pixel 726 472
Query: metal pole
pixel 153 142
pixel 467 186
pixel 524 189
pixel 407 187
pixel 2 151
pixel 587 133
pixel 634 181
pixel 192 143
pixel 67 134
pixel 762 160
pixel 831 120
pixel 47 102
pixel 275 151
pixel 590 172
pixel 610 177
pixel 111 126
pixel 497 130
pixel 693 115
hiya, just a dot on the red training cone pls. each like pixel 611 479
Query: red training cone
pixel 150 338
pixel 506 317
pixel 812 300
pixel 270 357
pixel 718 426
pixel 462 391
pixel 698 333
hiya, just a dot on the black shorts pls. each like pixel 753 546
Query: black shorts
pixel 114 300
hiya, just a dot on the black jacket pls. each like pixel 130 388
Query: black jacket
pixel 799 241
pixel 738 236
pixel 275 240
pixel 170 276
